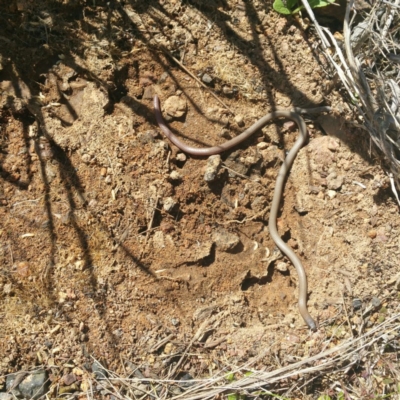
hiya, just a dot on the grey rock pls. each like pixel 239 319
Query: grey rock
pixel 185 381
pixel 213 166
pixel 375 302
pixel 357 304
pixel 99 371
pixel 175 321
pixel 206 78
pixel 224 240
pixel 33 386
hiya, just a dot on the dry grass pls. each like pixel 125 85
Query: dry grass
pixel 374 353
pixel 369 70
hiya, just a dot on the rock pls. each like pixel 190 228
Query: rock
pixel 262 145
pixel 86 158
pixel 169 204
pixel 334 182
pixel 224 240
pixel 239 120
pixel 357 304
pixel 181 157
pixel 6 396
pixel 99 371
pixel 175 176
pixel 148 93
pixel 185 381
pixel 323 150
pixel 271 154
pixel 331 194
pixel 175 106
pixel 69 379
pixel 372 233
pixel 175 321
pixel 227 90
pixel 33 386
pixel 207 78
pixel 213 166
pixel 375 302
pixel 281 266
pixel 233 162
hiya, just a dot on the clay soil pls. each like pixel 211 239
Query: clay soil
pixel 112 244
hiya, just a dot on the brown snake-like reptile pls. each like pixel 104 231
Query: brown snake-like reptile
pixel 301 140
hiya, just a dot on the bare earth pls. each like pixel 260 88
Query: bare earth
pixel 110 238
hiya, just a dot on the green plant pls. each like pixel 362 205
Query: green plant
pixel 292 6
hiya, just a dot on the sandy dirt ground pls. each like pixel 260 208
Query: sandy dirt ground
pixel 112 244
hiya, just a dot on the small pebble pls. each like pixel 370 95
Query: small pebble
pixel 175 106
pixel 213 166
pixel 372 233
pixel 175 176
pixel 334 182
pixel 169 204
pixel 103 171
pixel 262 145
pixel 239 120
pixel 206 78
pixel 227 90
pixel 99 371
pixel 181 157
pixel 375 302
pixel 357 304
pixel 86 158
pixel 281 266
pixel 331 194
pixel 224 240
pixel 175 321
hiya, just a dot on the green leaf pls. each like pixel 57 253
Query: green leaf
pixel 324 397
pixel 230 377
pixel 232 396
pixel 281 8
pixel 288 6
pixel 340 396
pixel 319 3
